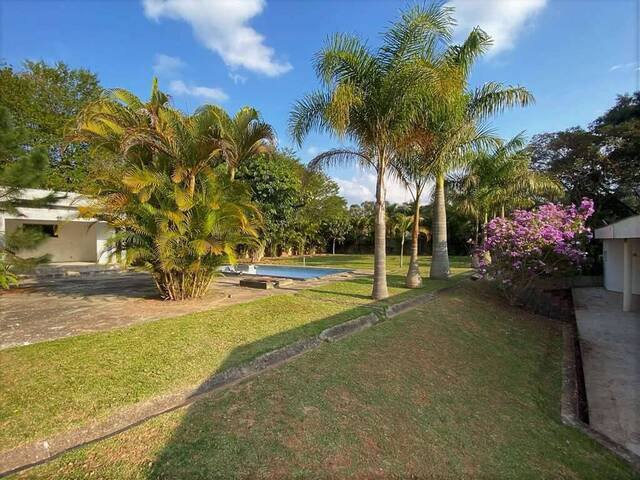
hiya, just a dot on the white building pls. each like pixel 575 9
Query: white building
pixel 71 239
pixel 621 242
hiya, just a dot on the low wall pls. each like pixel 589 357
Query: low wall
pixel 551 297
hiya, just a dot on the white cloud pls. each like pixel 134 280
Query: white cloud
pixel 167 65
pixel 622 65
pixel 362 187
pixel 178 87
pixel 222 26
pixel 237 78
pixel 312 151
pixel 503 20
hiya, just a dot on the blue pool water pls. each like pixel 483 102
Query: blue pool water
pixel 297 273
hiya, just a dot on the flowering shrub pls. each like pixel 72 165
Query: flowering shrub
pixel 547 241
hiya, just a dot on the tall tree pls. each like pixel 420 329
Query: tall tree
pixel 447 122
pixel 43 99
pixel 19 169
pixel 619 131
pixel 600 162
pixel 464 132
pixel 366 98
pixel 276 188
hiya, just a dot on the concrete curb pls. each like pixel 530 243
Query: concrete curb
pixel 41 451
pixel 569 402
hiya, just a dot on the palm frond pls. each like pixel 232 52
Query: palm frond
pixel 493 97
pixel 340 157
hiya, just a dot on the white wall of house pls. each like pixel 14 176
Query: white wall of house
pixel 613 256
pixel 621 252
pixel 77 239
pixel 103 233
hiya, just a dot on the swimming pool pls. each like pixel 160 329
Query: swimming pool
pixel 286 271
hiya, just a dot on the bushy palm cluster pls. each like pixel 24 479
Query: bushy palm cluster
pixel 168 188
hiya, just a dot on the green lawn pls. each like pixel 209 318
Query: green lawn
pixel 462 387
pixel 52 386
pixel 365 262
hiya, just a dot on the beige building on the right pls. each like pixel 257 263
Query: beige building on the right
pixel 621 257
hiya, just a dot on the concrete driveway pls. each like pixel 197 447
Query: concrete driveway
pixel 73 306
pixel 610 345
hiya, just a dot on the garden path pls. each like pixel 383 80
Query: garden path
pixel 60 308
pixel 609 340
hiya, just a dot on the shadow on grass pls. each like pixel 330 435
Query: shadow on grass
pixel 197 449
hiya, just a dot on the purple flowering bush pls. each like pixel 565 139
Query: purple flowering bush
pixel 547 241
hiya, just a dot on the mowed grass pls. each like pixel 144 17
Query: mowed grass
pixel 462 387
pixel 365 262
pixel 53 386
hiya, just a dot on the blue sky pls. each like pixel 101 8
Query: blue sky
pixel 575 56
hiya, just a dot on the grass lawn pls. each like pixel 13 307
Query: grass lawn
pixel 52 386
pixel 462 387
pixel 365 262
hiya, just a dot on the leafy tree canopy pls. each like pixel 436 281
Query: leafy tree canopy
pixel 19 169
pixel 42 100
pixel 601 162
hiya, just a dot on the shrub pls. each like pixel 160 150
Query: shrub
pixel 177 212
pixel 544 242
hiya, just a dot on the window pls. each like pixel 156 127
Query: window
pixel 46 229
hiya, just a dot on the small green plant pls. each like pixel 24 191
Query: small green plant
pixel 7 277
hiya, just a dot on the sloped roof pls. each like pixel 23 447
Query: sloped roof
pixel 627 228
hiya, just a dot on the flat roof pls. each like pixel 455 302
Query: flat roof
pixel 626 228
pixel 63 200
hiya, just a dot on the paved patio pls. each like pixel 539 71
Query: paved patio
pixel 610 344
pixel 59 308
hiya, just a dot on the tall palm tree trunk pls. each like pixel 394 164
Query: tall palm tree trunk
pixel 380 244
pixel 484 226
pixel 477 232
pixel 414 280
pixel 440 255
pixel 402 250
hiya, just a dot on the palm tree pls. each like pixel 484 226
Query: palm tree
pixel 446 123
pixel 401 223
pixel 175 214
pixel 410 170
pixel 367 98
pixel 463 131
pixel 501 180
pixel 242 136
